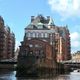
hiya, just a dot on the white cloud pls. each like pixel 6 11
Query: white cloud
pixel 66 8
pixel 75 44
pixel 75 40
pixel 75 36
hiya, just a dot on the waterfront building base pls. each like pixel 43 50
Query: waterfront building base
pixel 39 72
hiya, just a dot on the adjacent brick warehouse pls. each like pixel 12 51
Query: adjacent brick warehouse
pixel 7 41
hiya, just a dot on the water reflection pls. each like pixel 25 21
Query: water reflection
pixel 7 75
pixel 10 75
pixel 75 76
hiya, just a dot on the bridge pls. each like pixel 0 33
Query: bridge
pixel 71 63
pixel 68 62
pixel 9 64
pixel 8 61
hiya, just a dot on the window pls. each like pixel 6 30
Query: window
pixel 31 52
pixel 28 35
pixel 39 35
pixel 46 35
pixel 42 35
pixel 36 45
pixel 40 25
pixel 31 34
pixel 30 45
pixel 34 34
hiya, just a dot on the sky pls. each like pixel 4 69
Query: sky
pixel 17 15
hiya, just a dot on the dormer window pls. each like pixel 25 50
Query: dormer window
pixel 40 25
pixel 51 22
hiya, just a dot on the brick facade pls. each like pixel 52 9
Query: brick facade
pixel 45 38
pixel 7 41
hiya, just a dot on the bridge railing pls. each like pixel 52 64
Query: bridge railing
pixel 8 60
pixel 70 61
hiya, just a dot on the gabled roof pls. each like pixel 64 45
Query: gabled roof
pixel 40 22
pixel 41 19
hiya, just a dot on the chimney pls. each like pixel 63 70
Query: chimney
pixel 32 18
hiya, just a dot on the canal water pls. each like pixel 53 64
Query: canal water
pixel 10 75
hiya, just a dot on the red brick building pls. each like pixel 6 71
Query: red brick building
pixel 46 41
pixel 43 46
pixel 63 44
pixel 7 41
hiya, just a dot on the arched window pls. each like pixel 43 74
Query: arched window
pixel 30 45
pixel 46 35
pixel 37 34
pixel 36 45
pixel 34 34
pixel 42 35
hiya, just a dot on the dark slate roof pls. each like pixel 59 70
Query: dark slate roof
pixel 36 27
pixel 40 22
pixel 41 19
